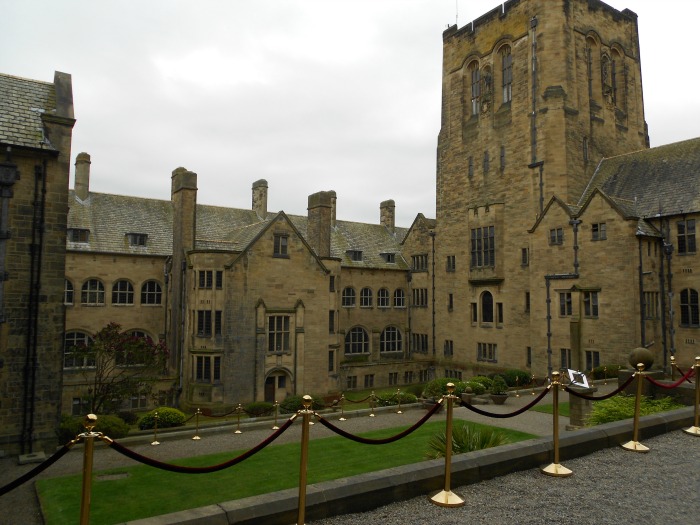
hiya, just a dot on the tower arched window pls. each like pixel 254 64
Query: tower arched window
pixel 507 74
pixel 487 307
pixel 475 78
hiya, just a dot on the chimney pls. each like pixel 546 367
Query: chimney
pixel 184 200
pixel 318 232
pixel 82 176
pixel 387 216
pixel 333 199
pixel 260 198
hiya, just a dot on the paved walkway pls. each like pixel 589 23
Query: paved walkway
pixel 180 444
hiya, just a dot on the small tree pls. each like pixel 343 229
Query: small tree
pixel 120 365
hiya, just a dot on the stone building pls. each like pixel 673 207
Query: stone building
pixel 36 121
pixel 554 220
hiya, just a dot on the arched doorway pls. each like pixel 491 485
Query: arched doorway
pixel 277 386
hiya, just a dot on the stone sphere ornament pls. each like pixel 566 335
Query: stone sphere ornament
pixel 641 355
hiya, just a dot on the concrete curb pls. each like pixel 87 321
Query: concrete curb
pixel 372 490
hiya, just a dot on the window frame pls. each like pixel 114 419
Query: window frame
pixel 280 246
pixel 599 231
pixel 348 297
pixel 68 292
pixel 483 247
pixel 92 289
pixel 390 340
pixel 152 297
pixel 278 333
pixel 556 236
pixel 356 341
pixel 566 305
pixel 399 298
pixel 366 297
pixel 506 74
pixel 690 308
pixel 78 338
pixel 122 297
pixel 591 302
pixel 383 298
pixel 685 231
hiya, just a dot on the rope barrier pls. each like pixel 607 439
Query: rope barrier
pixel 681 371
pixel 198 470
pixel 674 385
pixel 511 414
pixel 361 400
pixel 38 469
pixel 383 441
pixel 601 398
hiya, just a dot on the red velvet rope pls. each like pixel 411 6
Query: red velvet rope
pixel 511 414
pixel 37 470
pixel 360 401
pixel 383 441
pixel 674 385
pixel 601 398
pixel 681 371
pixel 199 470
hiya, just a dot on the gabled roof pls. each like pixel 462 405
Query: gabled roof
pixel 22 103
pixel 659 181
pixel 570 209
pixel 428 224
pixel 110 217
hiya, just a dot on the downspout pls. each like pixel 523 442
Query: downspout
pixel 432 237
pixel 409 279
pixel 181 342
pixel 642 300
pixel 662 282
pixel 36 253
pixel 533 115
pixel 668 252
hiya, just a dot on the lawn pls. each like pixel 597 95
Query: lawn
pixel 130 493
pixel 548 409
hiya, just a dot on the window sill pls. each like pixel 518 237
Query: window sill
pixel 90 305
pixel 122 305
pixel 348 306
pixel 280 256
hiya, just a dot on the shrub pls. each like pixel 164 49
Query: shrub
pixel 416 390
pixel 259 408
pixel 438 387
pixel 128 417
pixel 622 407
pixel 466 437
pixel 486 381
pixel 167 417
pixel 477 388
pixel 109 425
pixel 391 399
pixel 499 385
pixel 517 378
pixel 295 403
pixel 605 371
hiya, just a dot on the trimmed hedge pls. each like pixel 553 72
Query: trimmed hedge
pixel 167 417
pixel 259 408
pixel 515 377
pixel 486 381
pixel 437 388
pixel 110 425
pixel 295 403
pixel 391 399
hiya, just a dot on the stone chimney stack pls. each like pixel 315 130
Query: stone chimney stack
pixel 387 215
pixel 82 176
pixel 320 213
pixel 334 198
pixel 260 198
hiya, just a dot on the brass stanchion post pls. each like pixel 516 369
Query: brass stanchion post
pixel 277 406
pixel 398 394
pixel 447 498
pixel 196 428
pixel 517 384
pixel 239 408
pixel 555 468
pixel 695 429
pixel 342 408
pixel 306 419
pixel 673 368
pixel 155 429
pixel 371 404
pixel 605 375
pixel 532 381
pixel 635 445
pixel 89 436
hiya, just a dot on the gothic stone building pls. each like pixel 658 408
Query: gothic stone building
pixel 561 239
pixel 36 121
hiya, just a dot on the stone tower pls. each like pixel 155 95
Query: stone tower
pixel 535 94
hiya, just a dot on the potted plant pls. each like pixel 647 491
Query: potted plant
pixel 499 390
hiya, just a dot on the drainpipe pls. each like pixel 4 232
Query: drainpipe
pixel 642 300
pixel 181 339
pixel 548 279
pixel 432 237
pixel 662 283
pixel 668 253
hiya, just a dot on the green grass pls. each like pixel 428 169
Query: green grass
pixel 147 491
pixel 548 409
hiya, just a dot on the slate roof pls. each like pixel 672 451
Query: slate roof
pixel 110 217
pixel 659 181
pixel 22 102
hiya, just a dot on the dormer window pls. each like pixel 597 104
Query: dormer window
pixel 137 239
pixel 78 235
pixel 355 255
pixel 389 257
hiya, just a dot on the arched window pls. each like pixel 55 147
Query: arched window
pixel 93 292
pixel 399 298
pixel 151 293
pixel 76 352
pixel 475 78
pixel 390 340
pixel 606 79
pixel 68 292
pixel 486 307
pixel 383 298
pixel 366 298
pixel 357 341
pixel 591 54
pixel 507 74
pixel 122 292
pixel 690 310
pixel 127 358
pixel 348 298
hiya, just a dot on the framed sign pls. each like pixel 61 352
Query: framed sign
pixel 578 378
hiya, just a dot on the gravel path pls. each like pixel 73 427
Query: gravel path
pixel 612 486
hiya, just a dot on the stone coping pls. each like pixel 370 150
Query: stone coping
pixel 372 490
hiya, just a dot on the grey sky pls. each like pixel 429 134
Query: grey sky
pixel 311 95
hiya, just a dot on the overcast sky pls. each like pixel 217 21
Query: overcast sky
pixel 310 95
